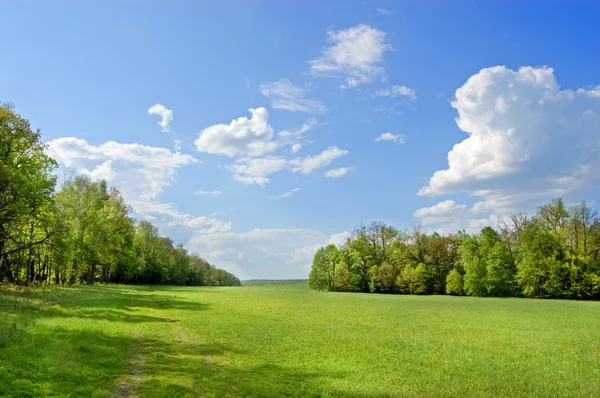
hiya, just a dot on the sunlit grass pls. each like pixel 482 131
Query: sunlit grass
pixel 278 340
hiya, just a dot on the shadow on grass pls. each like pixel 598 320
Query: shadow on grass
pixel 59 362
pixel 99 303
pixel 204 370
pixel 197 373
pixel 37 360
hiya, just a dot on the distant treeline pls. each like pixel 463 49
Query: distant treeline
pixel 553 254
pixel 82 233
pixel 263 282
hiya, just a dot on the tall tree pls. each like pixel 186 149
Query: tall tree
pixel 26 185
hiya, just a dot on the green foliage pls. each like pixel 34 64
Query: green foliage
pixel 342 277
pixel 500 275
pixel 26 185
pixel 386 278
pixel 81 234
pixel 554 254
pixel 320 277
pixel 422 277
pixel 475 268
pixel 406 280
pixel 454 283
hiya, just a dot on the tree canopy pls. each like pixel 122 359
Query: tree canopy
pixel 553 254
pixel 82 232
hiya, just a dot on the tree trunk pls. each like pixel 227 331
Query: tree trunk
pixel 5 265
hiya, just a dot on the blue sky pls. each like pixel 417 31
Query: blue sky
pixel 516 86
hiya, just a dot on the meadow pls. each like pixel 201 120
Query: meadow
pixel 277 340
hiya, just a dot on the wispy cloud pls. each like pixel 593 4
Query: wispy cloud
pixel 286 95
pixel 396 91
pixel 177 145
pixel 309 163
pixel 355 53
pixel 309 124
pixel 208 193
pixel 287 194
pixel 337 173
pixel 397 138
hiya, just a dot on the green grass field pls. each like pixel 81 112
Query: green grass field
pixel 284 340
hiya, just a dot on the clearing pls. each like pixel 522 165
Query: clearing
pixel 279 340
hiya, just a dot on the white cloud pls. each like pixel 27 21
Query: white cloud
pixel 355 53
pixel 252 139
pixel 440 213
pixel 208 193
pixel 305 255
pixel 294 138
pixel 337 173
pixel 309 124
pixel 287 194
pixel 308 164
pixel 139 171
pixel 286 95
pixel 165 114
pixel 243 136
pixel 102 171
pixel 261 253
pixel 396 91
pixel 384 11
pixel 339 239
pixel 165 212
pixel 256 170
pixel 528 140
pixel 177 145
pixel 397 138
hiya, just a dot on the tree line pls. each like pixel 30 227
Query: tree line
pixel 82 232
pixel 552 254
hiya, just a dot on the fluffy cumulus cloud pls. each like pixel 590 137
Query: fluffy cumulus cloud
pixel 308 164
pixel 279 253
pixel 253 143
pixel 339 239
pixel 257 170
pixel 528 141
pixel 396 138
pixel 243 136
pixel 166 116
pixel 355 53
pixel 397 91
pixel 286 95
pixel 337 173
pixel 139 171
pixel 440 213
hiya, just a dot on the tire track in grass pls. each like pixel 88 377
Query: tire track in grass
pixel 129 384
